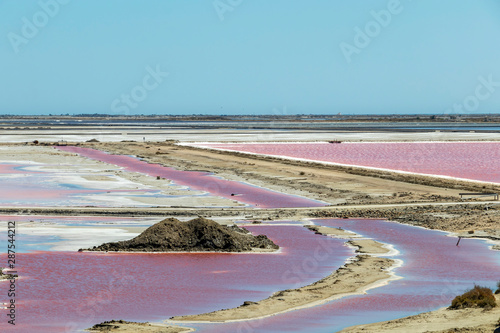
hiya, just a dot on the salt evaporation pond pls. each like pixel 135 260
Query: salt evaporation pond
pixel 70 291
pixel 204 181
pixel 24 186
pixel 435 270
pixel 466 160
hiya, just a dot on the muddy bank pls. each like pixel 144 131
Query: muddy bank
pixel 131 327
pixel 468 219
pixel 171 235
pixel 7 276
pixel 452 217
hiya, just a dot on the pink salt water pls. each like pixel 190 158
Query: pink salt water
pixel 434 271
pixel 204 181
pixel 467 160
pixel 67 292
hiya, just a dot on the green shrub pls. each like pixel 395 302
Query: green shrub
pixel 477 297
pixel 498 288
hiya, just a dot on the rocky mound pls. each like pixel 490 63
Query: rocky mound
pixel 196 235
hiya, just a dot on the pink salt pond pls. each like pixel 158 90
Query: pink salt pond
pixel 67 292
pixel 466 160
pixel 203 181
pixel 434 271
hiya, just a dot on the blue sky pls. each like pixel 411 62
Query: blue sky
pixel 249 56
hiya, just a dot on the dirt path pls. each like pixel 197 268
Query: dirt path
pixel 481 218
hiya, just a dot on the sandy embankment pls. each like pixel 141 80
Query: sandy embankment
pixel 441 321
pixel 363 272
pixel 131 327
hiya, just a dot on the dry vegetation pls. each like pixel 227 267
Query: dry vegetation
pixel 477 297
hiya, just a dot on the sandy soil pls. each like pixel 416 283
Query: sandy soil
pixel 132 327
pixel 7 276
pixel 442 321
pixel 472 219
pixel 362 245
pixel 466 220
pixel 368 246
pixel 335 232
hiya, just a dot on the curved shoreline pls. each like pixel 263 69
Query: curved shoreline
pixel 378 270
pixel 359 274
pixel 438 321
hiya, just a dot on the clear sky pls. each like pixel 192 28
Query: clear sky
pixel 249 56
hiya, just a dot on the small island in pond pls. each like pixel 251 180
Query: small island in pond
pixel 197 235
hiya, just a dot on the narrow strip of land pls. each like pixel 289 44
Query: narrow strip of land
pixel 232 211
pixel 123 326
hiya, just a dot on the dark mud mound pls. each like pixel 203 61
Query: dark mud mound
pixel 196 235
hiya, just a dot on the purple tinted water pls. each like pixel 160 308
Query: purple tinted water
pixel 62 291
pixel 204 181
pixel 434 271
